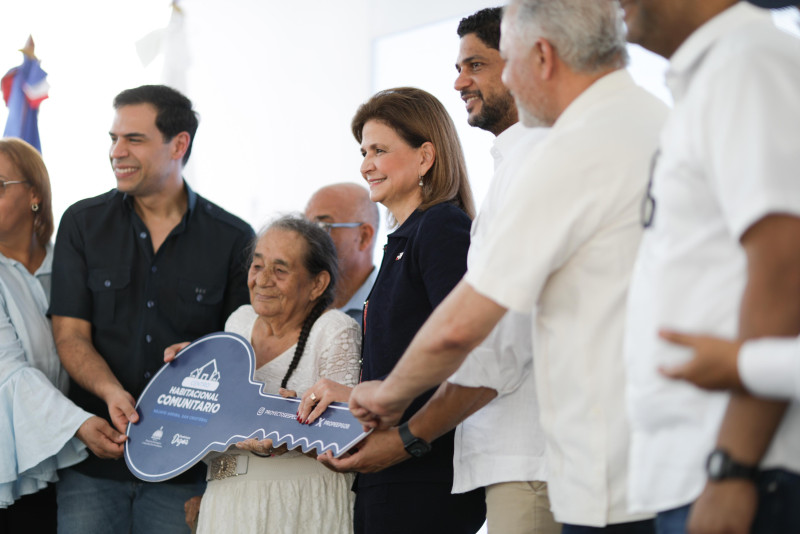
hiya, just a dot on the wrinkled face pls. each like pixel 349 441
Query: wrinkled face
pixel 489 103
pixel 333 207
pixel 391 167
pixel 140 158
pixel 521 76
pixel 15 204
pixel 280 285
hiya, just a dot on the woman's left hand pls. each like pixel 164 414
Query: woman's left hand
pixel 318 397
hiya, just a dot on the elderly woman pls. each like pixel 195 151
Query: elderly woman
pixel 414 166
pixel 297 341
pixel 38 424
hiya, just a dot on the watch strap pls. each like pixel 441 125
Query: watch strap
pixel 720 466
pixel 412 444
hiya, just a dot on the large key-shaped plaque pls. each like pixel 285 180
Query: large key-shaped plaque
pixel 205 400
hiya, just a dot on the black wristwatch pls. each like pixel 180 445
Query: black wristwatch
pixel 414 446
pixel 721 466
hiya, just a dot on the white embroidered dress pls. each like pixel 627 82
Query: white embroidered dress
pixel 290 493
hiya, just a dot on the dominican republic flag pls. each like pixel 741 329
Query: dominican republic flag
pixel 24 88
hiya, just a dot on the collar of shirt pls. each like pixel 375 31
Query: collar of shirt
pixel 690 54
pixel 356 302
pixel 607 86
pixel 44 269
pixel 507 139
pixel 191 202
pixel 38 283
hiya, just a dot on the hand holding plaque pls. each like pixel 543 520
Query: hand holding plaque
pixel 205 400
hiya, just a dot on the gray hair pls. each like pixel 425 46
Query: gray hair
pixel 588 35
pixel 320 251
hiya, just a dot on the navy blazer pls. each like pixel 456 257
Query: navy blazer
pixel 423 260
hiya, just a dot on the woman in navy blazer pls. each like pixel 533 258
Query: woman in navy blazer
pixel 414 165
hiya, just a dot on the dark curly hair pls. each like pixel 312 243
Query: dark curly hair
pixel 174 113
pixel 485 24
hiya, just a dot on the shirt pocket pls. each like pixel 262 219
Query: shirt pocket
pixel 106 286
pixel 199 306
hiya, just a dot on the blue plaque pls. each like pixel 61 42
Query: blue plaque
pixel 206 400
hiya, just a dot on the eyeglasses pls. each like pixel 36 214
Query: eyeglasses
pixel 649 201
pixel 6 183
pixel 327 225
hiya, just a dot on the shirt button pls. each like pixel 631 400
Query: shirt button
pixel 107 283
pixel 199 298
pixel 150 303
pixel 143 235
pixel 148 338
pixel 147 374
pixel 153 268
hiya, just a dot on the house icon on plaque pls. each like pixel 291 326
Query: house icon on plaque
pixel 205 377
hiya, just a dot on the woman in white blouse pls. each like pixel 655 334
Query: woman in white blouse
pixel 38 424
pixel 297 340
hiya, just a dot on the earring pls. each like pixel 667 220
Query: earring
pixel 420 181
pixel 34 207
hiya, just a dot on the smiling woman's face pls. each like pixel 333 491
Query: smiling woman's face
pixel 280 285
pixel 391 168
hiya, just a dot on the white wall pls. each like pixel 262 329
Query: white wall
pixel 276 84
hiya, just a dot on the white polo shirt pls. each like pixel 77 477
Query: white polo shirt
pixel 566 240
pixel 730 154
pixel 770 367
pixel 510 423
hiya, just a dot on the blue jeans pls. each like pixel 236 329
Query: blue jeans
pixel 673 521
pixel 635 527
pixel 777 513
pixel 89 505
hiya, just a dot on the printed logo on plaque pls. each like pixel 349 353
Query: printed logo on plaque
pixel 205 400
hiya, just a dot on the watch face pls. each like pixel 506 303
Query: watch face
pixel 716 464
pixel 418 448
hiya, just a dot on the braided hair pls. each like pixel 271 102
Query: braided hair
pixel 320 256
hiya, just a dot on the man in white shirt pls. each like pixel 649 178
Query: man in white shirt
pixel 721 256
pixel 345 211
pixel 513 472
pixel 564 244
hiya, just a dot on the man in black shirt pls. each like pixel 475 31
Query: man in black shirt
pixel 146 265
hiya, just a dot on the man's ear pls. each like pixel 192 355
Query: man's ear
pixel 366 233
pixel 544 57
pixel 180 144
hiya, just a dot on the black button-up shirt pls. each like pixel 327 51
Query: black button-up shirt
pixel 140 301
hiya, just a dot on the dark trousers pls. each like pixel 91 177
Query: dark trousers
pixel 635 527
pixel 32 513
pixel 420 508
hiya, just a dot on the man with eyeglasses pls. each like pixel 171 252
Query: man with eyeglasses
pixel 345 211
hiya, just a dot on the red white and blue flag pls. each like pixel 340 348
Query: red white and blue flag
pixel 24 88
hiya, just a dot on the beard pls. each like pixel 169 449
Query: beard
pixel 494 112
pixel 535 114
